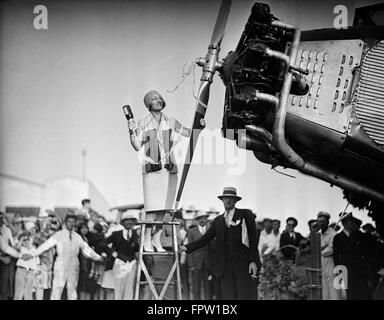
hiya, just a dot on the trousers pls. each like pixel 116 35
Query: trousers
pixel 235 281
pixel 124 282
pixel 24 281
pixel 57 289
pixel 200 281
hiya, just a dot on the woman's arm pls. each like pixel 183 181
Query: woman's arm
pixel 134 135
pixel 186 132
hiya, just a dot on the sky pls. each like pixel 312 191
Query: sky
pixel 62 91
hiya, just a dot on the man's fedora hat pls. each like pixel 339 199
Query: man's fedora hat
pixel 346 216
pixel 229 192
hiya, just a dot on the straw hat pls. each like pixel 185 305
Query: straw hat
pixel 229 192
pixel 128 215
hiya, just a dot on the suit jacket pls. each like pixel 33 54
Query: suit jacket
pixel 355 252
pixel 200 256
pixel 125 251
pixel 285 239
pixel 218 231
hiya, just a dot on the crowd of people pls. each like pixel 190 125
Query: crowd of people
pixel 360 249
pixel 284 259
pixel 235 255
pixel 39 259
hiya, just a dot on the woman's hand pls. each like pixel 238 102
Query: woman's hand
pixel 131 125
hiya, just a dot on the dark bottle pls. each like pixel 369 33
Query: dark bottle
pixel 128 112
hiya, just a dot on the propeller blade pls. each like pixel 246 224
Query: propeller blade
pixel 210 66
pixel 221 22
pixel 201 108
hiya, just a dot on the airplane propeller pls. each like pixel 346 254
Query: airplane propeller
pixel 210 65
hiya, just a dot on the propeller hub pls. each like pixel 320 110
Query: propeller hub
pixel 214 46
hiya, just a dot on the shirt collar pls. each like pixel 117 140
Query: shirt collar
pixel 230 212
pixel 347 233
pixel 326 231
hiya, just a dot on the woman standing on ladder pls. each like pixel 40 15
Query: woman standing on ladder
pixel 155 136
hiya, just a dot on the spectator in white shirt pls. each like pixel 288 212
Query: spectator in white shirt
pixel 68 245
pixel 263 241
pixel 25 272
pixel 274 244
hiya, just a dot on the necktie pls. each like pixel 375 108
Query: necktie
pixel 70 235
pixel 128 235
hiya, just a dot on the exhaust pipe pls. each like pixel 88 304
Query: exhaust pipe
pixel 278 137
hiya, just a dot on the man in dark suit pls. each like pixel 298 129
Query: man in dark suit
pixel 125 246
pixel 290 239
pixel 354 250
pixel 199 260
pixel 237 259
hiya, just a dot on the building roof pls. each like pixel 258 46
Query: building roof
pixel 128 206
pixel 23 211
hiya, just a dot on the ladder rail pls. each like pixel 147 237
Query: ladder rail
pixel 150 282
pixel 138 271
pixel 171 275
pixel 176 251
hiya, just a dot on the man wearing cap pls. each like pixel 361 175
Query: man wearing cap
pixel 352 249
pixel 85 210
pixel 199 260
pixel 155 136
pixel 68 244
pixel 327 265
pixel 237 257
pixel 125 246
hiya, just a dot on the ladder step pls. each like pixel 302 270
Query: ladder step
pixel 158 282
pixel 159 223
pixel 168 253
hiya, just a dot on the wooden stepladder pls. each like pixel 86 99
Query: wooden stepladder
pixel 175 267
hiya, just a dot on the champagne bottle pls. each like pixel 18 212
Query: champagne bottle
pixel 128 112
